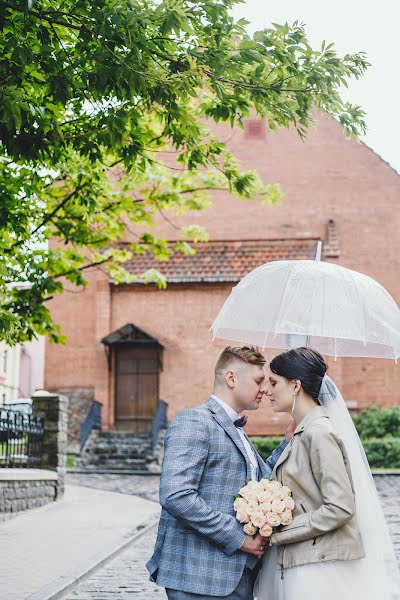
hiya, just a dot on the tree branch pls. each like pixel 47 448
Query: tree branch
pixel 88 266
pixel 48 217
pixel 39 15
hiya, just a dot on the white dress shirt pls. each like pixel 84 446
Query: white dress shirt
pixel 233 415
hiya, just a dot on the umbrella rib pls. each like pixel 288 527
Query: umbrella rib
pixel 280 308
pixel 361 300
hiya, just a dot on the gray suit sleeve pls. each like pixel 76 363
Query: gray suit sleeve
pixel 273 459
pixel 185 456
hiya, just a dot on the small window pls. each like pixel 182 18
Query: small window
pixel 5 361
pixel 254 129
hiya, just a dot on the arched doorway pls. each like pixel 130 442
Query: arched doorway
pixel 135 357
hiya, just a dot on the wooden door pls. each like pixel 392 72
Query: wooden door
pixel 136 388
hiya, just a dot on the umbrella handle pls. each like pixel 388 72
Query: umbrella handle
pixel 319 250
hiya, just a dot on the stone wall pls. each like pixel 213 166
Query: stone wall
pixel 79 401
pixel 22 489
pixel 54 409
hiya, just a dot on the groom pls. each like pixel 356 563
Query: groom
pixel 201 552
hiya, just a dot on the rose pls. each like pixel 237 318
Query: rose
pixel 240 504
pixel 265 484
pixel 242 517
pixel 287 491
pixel 252 497
pixel 245 492
pixel 266 530
pixel 258 519
pixel 249 492
pixel 265 507
pixel 278 506
pixel 286 517
pixel 273 519
pixel 289 503
pixel 252 484
pixel 278 494
pixel 264 496
pixel 249 529
pixel 275 485
pixel 252 507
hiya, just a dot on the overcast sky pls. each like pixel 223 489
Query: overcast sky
pixel 353 25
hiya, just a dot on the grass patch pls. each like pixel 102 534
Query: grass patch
pixel 71 461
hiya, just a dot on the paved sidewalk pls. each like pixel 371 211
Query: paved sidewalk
pixel 125 577
pixel 48 547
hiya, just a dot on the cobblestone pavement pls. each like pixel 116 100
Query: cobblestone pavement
pixel 138 485
pixel 122 578
pixel 126 575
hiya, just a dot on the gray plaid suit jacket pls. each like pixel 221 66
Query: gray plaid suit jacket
pixel 198 540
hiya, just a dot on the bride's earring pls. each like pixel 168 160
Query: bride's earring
pixel 294 402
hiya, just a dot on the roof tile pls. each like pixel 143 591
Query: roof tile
pixel 219 261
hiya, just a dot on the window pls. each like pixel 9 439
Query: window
pixel 254 129
pixel 5 361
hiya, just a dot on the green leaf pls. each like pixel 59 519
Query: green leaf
pixel 104 133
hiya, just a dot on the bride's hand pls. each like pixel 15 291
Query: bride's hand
pixel 290 430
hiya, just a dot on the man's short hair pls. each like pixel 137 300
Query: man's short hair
pixel 246 354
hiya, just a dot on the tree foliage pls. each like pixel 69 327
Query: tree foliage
pixel 103 125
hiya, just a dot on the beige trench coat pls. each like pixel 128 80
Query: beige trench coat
pixel 315 467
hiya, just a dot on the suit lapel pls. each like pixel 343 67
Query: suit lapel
pixel 261 464
pixel 225 422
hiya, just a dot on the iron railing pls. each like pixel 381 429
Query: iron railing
pixel 159 421
pixel 21 436
pixel 92 421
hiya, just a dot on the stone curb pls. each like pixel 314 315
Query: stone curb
pixel 28 475
pixel 66 583
pixel 387 472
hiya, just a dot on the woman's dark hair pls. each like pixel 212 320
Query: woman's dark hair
pixel 304 364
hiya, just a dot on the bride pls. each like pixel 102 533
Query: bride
pixel 337 546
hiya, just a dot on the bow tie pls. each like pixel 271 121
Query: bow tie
pixel 240 422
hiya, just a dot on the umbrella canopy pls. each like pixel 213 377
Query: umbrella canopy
pixel 337 311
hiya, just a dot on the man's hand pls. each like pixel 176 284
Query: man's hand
pixel 254 545
pixel 290 430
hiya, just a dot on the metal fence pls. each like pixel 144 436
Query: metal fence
pixel 21 435
pixel 92 421
pixel 159 421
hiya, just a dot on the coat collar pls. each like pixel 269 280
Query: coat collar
pixel 316 413
pixel 223 419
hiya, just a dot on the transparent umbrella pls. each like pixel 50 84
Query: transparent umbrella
pixel 285 304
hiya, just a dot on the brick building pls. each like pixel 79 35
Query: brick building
pixel 130 345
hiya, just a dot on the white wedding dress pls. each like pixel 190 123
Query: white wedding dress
pixel 335 580
pixel 375 577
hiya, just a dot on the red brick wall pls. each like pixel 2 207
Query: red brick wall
pixel 324 177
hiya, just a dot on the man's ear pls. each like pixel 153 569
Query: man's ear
pixel 230 379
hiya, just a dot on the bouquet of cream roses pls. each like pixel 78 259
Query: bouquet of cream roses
pixel 262 506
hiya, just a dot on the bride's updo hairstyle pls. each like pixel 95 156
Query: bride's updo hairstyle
pixel 304 364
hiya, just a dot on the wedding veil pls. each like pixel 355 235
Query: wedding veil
pixel 381 570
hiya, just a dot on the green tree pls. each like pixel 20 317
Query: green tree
pixel 93 93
